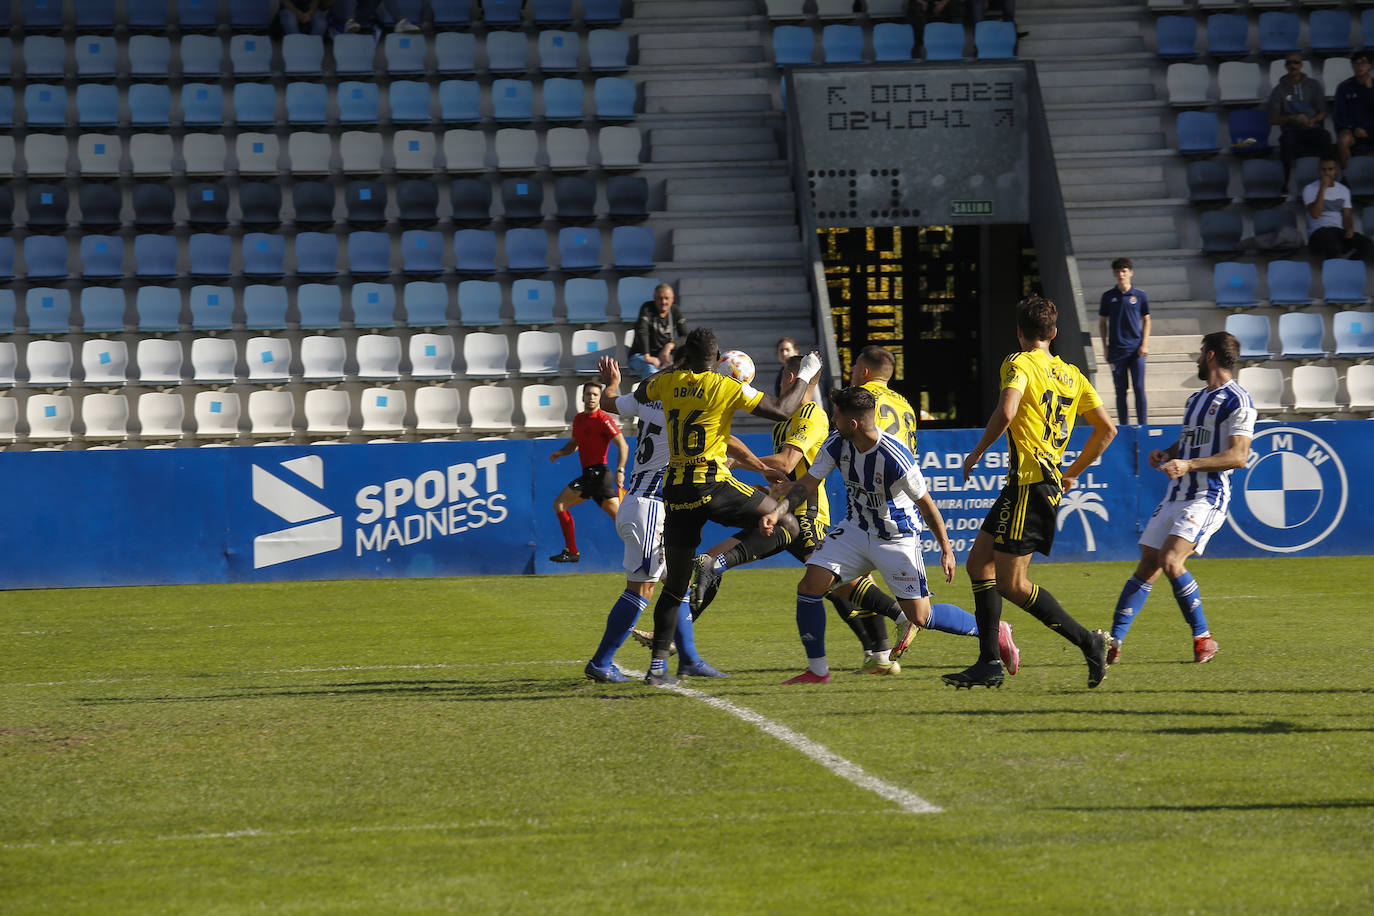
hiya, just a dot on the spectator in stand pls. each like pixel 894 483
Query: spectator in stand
pixel 979 9
pixel 919 12
pixel 1298 107
pixel 1330 221
pixel 660 322
pixel 1354 113
pixel 309 17
pixel 787 348
pixel 365 19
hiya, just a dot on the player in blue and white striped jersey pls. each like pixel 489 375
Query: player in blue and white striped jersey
pixel 1218 424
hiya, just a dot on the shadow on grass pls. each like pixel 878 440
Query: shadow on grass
pixel 449 690
pixel 1272 727
pixel 1334 804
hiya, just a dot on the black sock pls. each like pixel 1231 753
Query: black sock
pixel 849 614
pixel 1043 607
pixel 871 598
pixel 665 622
pixel 877 632
pixel 987 610
pixel 755 545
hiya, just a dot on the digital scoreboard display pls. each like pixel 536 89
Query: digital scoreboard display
pixel 928 145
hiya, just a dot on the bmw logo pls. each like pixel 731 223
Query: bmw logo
pixel 1291 493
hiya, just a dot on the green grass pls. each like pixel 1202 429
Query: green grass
pixel 412 746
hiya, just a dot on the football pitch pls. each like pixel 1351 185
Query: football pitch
pixel 432 746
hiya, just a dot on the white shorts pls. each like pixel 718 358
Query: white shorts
pixel 1193 520
pixel 850 552
pixel 640 523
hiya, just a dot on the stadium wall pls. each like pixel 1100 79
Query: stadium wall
pixel 162 516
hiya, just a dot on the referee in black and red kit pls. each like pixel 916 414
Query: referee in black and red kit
pixel 593 431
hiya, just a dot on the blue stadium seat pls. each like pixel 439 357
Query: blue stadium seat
pixel 1207 181
pixel 455 53
pixel 585 300
pixel 1234 284
pixel 842 44
pixel 45 57
pixel 601 12
pixel 422 253
pixel 6 107
pixel 563 99
pixel 1329 31
pixel 533 301
pixel 944 41
pixel 145 15
pixel 250 55
pixel 155 257
pixel 102 257
pixel 632 293
pixel 523 200
pixel 201 56
pixel 1176 37
pixel 479 303
pixel 369 253
pixel 558 51
pixel 512 100
pixel 615 98
pixel 1300 335
pixel 409 101
pixel 313 204
pixel 159 309
pixel 1197 133
pixel 1275 219
pixel 260 204
pixel 417 202
pixel 574 199
pixel 527 250
pixel 212 308
pixel 471 200
pixel 7 304
pixel 893 42
pixel 374 305
pixel 552 12
pixel 94 15
pixel 1289 282
pixel 264 307
pixel 365 204
pixel 47 205
pixel 1253 333
pixel 49 311
pixel 307 104
pixel 95 56
pixel 150 105
pixel 1221 231
pixel 317 254
pixel 202 105
pixel 459 101
pixel 1278 32
pixel 1343 282
pixel 102 310
pixel 1228 35
pixel 579 249
pixel 506 52
pixel 354 55
pixel 320 306
pixel 210 255
pixel 45 106
pixel 425 303
pixel 451 13
pixel 41 15
pixel 627 198
pixel 155 204
pixel 475 250
pixel 255 104
pixel 358 102
pixel 502 13
pixel 264 255
pixel 197 14
pixel 793 45
pixel 995 40
pixel 404 54
pixel 7 256
pixel 608 50
pixel 302 56
pixel 1262 179
pixel 1354 334
pixel 1359 177
pixel 633 247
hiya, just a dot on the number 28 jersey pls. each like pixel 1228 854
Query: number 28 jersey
pixel 1053 394
pixel 893 413
pixel 698 408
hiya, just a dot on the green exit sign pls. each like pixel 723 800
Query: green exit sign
pixel 970 208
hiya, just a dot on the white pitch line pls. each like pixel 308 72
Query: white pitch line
pixel 827 758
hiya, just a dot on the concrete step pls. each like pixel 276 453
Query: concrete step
pixel 1110 192
pixel 724 152
pixel 1104 95
pixel 1105 142
pixel 734 38
pixel 647 10
pixel 721 202
pixel 672 103
pixel 712 252
pixel 1076 125
pixel 759 185
pixel 742 285
pixel 694 136
pixel 724 84
pixel 708 54
pixel 757 302
pixel 736 235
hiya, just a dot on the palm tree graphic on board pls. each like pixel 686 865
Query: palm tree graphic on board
pixel 1081 502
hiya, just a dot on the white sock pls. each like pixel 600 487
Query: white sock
pixel 902 618
pixel 882 656
pixel 818 666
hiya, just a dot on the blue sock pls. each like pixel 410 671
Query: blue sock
pixel 1133 595
pixel 686 639
pixel 1190 602
pixel 950 618
pixel 619 621
pixel 811 624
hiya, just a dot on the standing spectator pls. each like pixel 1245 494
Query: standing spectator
pixel 1330 221
pixel 1124 325
pixel 1354 114
pixel 365 18
pixel 660 322
pixel 1298 106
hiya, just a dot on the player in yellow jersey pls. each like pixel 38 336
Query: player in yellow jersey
pixel 698 406
pixel 1041 398
pixel 873 369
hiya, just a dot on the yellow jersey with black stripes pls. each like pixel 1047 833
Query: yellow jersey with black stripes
pixel 1053 394
pixel 893 413
pixel 698 408
pixel 805 431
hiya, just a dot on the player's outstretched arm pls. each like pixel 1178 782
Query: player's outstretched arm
pixel 1001 418
pixel 610 375
pixel 800 492
pixel 1104 431
pixel 782 408
pixel 744 458
pixel 936 523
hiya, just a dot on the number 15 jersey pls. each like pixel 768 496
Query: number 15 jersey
pixel 1053 394
pixel 698 408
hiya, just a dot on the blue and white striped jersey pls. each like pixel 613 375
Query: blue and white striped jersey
pixel 1211 418
pixel 651 454
pixel 881 484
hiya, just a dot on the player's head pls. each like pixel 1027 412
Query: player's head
pixel 1224 349
pixel 591 396
pixel 787 348
pixel 699 351
pixel 791 371
pixel 853 411
pixel 873 364
pixel 663 298
pixel 1037 319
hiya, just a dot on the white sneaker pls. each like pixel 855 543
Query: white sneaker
pixel 406 26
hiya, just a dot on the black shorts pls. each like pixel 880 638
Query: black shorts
pixel 1022 519
pixel 691 505
pixel 596 483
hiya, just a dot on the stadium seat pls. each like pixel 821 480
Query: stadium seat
pixel 8 307
pixel 616 98
pixel 527 250
pixel 257 154
pixel 1300 335
pixel 522 200
pixel 45 257
pixel 1262 180
pixel 425 303
pixel 574 199
pixel 9 365
pixel 563 99
pixel 567 148
pixel 104 362
pixel 995 40
pixel 45 155
pixel 49 363
pixel 150 156
pixel 197 14
pixel 404 54
pixel 413 152
pixel 365 204
pixel 302 56
pixel 383 411
pixel 608 51
pixel 160 415
pixel 322 358
pixel 1305 172
pixel 632 247
pixel 632 293
pixel 431 356
pixel 250 15
pixel 1221 231
pixel 516 150
pixel 943 41
pixel 1278 32
pixel 579 249
pixel 1227 35
pixel 379 357
pixel 7 208
pixel 307 104
pixel 417 202
pixel 1314 388
pixel 1359 177
pixel 1359 385
pixel 202 105
pixel 204 154
pixel 1207 181
pixel 212 308
pixel 358 102
pixel 155 257
pixel 1253 333
pixel 1249 130
pixel 486 355
pixel 47 206
pixel 150 57
pixel 264 307
pixel 102 310
pixel 506 52
pixel 793 45
pixel 102 257
pixel 601 12
pixel 1197 133
pixel 255 105
pixel 475 250
pixel 588 346
pixel 326 412
pixel 309 153
pixel 539 353
pixel 455 53
pixel 1278 219
pixel 1354 334
pixel 533 301
pixel 90 15
pixel 1343 282
pixel 512 100
pixel 479 303
pixel 207 204
pixel 361 152
pixel 585 300
pixel 1289 282
pixel 264 255
pixel 6 122
pixel 105 417
pixel 45 106
pixel 1240 82
pixel 271 414
pixel 250 56
pixel 102 206
pixel 369 253
pixel 268 360
pixel 44 56
pixel 842 44
pixel 460 102
pixel 159 310
pixel 436 410
pixel 317 254
pixel 1189 85
pixel 50 417
pixel 551 12
pixel 471 201
pixel 465 151
pixel 312 204
pixel 374 305
pixel 210 255
pixel 95 57
pixel 502 13
pixel 492 409
pixel 49 311
pixel 1329 31
pixel 216 414
pixel 893 42
pixel 98 156
pixel 213 360
pixel 409 102
pixel 545 407
pixel 354 55
pixel 260 204
pixel 620 147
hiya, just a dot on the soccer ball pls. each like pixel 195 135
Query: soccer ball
pixel 737 365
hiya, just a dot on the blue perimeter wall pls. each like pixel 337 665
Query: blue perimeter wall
pixel 162 516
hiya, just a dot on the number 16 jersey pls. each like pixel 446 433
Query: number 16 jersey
pixel 1053 394
pixel 698 408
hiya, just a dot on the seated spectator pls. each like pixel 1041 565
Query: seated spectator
pixel 979 9
pixel 919 12
pixel 1330 220
pixel 1354 114
pixel 1298 106
pixel 365 19
pixel 659 323
pixel 309 17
